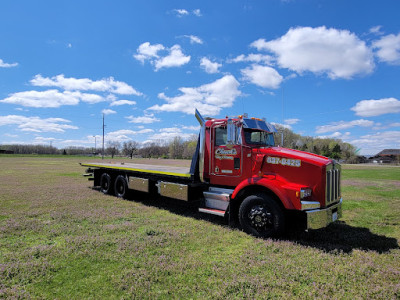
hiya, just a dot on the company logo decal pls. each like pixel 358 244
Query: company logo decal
pixel 222 153
pixel 284 161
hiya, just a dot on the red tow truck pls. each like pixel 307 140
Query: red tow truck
pixel 238 173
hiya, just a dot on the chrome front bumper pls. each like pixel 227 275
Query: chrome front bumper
pixel 320 218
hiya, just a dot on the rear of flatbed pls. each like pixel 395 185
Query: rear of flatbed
pixel 167 181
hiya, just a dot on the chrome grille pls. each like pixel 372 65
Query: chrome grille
pixel 332 192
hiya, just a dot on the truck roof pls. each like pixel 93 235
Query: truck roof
pixel 253 123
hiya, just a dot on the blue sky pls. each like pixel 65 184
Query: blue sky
pixel 322 68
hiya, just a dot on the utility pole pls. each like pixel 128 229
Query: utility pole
pixel 102 152
pixel 95 146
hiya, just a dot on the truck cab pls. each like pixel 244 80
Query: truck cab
pixel 258 184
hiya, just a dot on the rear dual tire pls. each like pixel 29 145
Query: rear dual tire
pixel 105 183
pixel 119 188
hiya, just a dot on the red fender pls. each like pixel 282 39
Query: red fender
pixel 284 190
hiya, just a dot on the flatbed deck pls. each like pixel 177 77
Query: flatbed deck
pixel 182 172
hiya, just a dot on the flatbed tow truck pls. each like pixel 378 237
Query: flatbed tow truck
pixel 238 173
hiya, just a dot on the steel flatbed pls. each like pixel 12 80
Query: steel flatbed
pixel 160 170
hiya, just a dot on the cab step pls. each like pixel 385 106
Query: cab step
pixel 216 201
pixel 217 198
pixel 212 211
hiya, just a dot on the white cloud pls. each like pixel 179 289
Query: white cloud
pixel 146 119
pixel 292 121
pixel 253 57
pixel 209 66
pixel 338 53
pixel 181 12
pixel 7 65
pixel 377 30
pixel 43 140
pixel 88 98
pixel 175 58
pixel 283 125
pixel 192 128
pixel 50 98
pixel 10 135
pixel 125 134
pixel 197 12
pixel 336 135
pixel 263 76
pixel 388 49
pixel 380 126
pixel 167 134
pixel 147 51
pixel 108 111
pixel 194 39
pixel 122 102
pixel 337 126
pixel 369 144
pixel 209 99
pixel 36 124
pixel 371 108
pixel 86 84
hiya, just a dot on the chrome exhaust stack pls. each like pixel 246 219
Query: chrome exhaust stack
pixel 202 145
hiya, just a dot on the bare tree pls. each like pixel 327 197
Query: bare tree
pixel 190 147
pixel 113 148
pixel 130 148
pixel 176 148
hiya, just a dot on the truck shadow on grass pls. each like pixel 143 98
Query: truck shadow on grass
pixel 341 237
pixel 336 238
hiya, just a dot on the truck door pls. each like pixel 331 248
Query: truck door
pixel 226 160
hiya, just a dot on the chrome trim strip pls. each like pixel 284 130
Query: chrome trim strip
pixel 215 212
pixel 305 205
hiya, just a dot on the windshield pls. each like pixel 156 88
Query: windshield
pixel 259 138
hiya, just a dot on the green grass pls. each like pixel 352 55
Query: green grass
pixel 372 172
pixel 61 239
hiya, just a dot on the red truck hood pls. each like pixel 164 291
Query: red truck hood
pixel 305 157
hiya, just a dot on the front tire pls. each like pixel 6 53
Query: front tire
pixel 120 187
pixel 261 216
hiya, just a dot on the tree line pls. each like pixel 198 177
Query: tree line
pixel 178 148
pixel 329 147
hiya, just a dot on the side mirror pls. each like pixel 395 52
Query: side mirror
pixel 231 133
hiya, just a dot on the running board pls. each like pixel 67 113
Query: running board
pixel 212 211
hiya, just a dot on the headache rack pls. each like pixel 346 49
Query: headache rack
pixel 333 187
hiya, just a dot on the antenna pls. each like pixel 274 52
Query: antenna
pixel 102 152
pixel 283 98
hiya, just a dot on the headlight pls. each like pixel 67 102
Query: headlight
pixel 305 193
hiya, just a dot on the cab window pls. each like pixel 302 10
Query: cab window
pixel 220 136
pixel 259 138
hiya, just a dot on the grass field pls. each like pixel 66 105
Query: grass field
pixel 61 239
